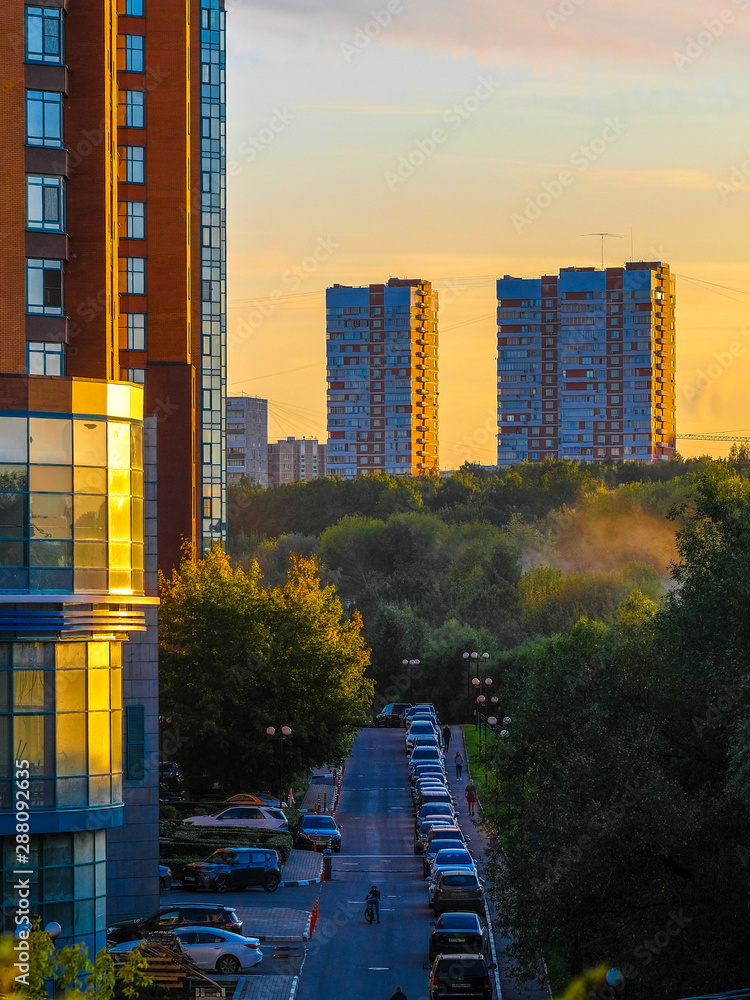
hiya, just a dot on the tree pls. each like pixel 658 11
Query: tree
pixel 237 657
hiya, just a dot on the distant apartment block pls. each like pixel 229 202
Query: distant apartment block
pixel 586 364
pixel 247 439
pixel 382 373
pixel 295 458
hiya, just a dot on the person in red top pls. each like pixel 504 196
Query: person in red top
pixel 471 796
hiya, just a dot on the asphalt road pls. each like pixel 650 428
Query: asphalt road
pixel 348 959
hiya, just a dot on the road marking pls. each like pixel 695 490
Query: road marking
pixel 378 968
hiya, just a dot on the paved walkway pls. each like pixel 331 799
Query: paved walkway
pixel 279 923
pixel 266 988
pixel 321 788
pixel 302 867
pixel 510 989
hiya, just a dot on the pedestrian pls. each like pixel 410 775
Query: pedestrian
pixel 446 737
pixel 471 796
pixel 399 994
pixel 459 762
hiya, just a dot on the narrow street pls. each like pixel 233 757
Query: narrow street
pixel 348 957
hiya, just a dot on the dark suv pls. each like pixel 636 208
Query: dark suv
pixel 234 868
pixel 391 715
pixel 461 976
pixel 169 917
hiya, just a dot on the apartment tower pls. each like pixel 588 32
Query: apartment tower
pixel 112 376
pixel 247 439
pixel 586 364
pixel 382 373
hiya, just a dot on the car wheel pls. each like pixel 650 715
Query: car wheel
pixel 162 886
pixel 337 848
pixel 221 884
pixel 228 965
pixel 272 882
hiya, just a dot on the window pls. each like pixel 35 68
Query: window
pixel 136 275
pixel 44 359
pixel 136 215
pixel 135 164
pixel 134 45
pixel 137 375
pixel 43 118
pixel 44 287
pixel 44 34
pixel 135 744
pixel 135 108
pixel 134 8
pixel 136 331
pixel 45 203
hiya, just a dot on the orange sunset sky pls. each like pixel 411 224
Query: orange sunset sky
pixel 427 138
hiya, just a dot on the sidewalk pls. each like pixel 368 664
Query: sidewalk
pixel 279 924
pixel 302 868
pixel 510 990
pixel 266 988
pixel 321 788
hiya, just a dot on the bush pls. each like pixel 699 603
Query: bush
pixel 184 843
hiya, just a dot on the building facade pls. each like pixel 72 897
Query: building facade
pixel 294 459
pixel 382 374
pixel 247 439
pixel 586 365
pixel 112 382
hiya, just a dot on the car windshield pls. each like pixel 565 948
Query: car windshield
pixel 457 922
pixel 222 857
pixel 444 857
pixel 317 823
pixel 444 845
pixel 436 809
pixel 421 728
pixel 456 881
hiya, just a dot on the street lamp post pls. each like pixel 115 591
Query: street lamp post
pixel 285 732
pixel 411 664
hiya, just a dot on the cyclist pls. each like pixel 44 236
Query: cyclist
pixel 399 994
pixel 373 901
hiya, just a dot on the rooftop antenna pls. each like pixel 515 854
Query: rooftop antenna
pixel 618 236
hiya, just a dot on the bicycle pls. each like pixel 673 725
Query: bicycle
pixel 369 911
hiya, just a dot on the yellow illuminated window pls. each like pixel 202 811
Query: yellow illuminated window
pixel 115 654
pixel 98 654
pixel 99 743
pixel 116 731
pixel 118 437
pixel 86 580
pixel 70 655
pixel 115 682
pixel 98 690
pixel 71 744
pixel 119 482
pixel 136 446
pixel 70 690
pixel 50 479
pixel 89 480
pixel 28 740
pixel 90 555
pixel 120 579
pixel 50 441
pixel 89 442
pixel 119 555
pixel 119 520
pixel 90 518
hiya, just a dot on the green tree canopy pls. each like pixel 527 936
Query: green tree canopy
pixel 237 657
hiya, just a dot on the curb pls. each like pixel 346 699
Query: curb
pixel 280 938
pixel 301 881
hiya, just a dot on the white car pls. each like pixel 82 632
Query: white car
pixel 260 817
pixel 212 949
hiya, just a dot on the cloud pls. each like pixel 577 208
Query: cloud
pixel 526 31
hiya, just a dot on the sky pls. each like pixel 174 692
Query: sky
pixel 462 140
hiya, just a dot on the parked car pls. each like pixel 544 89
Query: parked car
pixel 454 858
pixel 420 834
pixel 168 918
pixel 446 843
pixel 427 770
pixel 463 975
pixel 165 878
pixel 251 799
pixel 435 809
pixel 234 868
pixel 419 729
pixel 427 795
pixel 454 831
pixel 424 755
pixel 212 949
pixel 391 714
pixel 458 931
pixel 457 890
pixel 316 831
pixel 259 817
